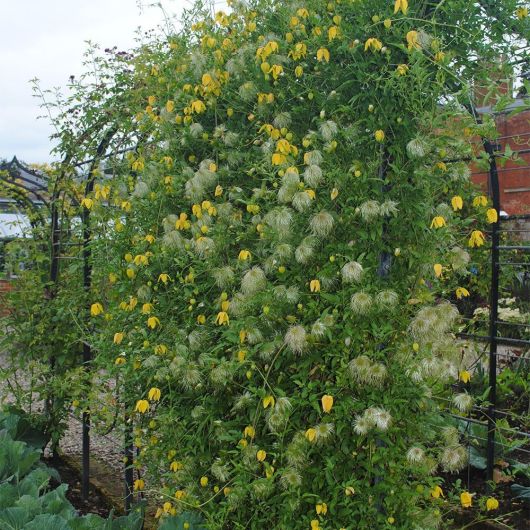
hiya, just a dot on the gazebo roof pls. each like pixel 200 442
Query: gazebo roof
pixel 32 182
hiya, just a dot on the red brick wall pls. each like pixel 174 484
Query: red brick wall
pixel 514 179
pixel 5 286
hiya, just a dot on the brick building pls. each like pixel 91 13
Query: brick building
pixel 514 177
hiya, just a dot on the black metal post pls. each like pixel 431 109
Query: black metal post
pixel 494 309
pixel 87 284
pixel 129 471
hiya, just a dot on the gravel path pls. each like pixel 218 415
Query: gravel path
pixel 107 449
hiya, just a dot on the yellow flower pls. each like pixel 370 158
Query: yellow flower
pixel 118 337
pixel 412 40
pixel 201 319
pixel 466 500
pixel 175 466
pixel 261 455
pixel 349 491
pixel 204 482
pixel 327 403
pixel 153 322
pixel 268 400
pixel 492 504
pixel 141 259
pixel 437 492
pixel 438 222
pixel 198 106
pixel 150 238
pixel 96 309
pixel 222 318
pixel 164 278
pixel 333 33
pixel 334 194
pixel 464 376
pixel 87 203
pixel 298 71
pixel 139 484
pixel 315 525
pixel 481 200
pixel 379 135
pixel 276 70
pixel 476 239
pixel 142 406
pixel 521 12
pixel 179 494
pixel 321 508
pixel 120 360
pixel 218 191
pixel 461 292
pixel 160 349
pixel 311 434
pixel 154 394
pixel 311 193
pixel 437 269
pixel 197 210
pixel 278 159
pixel 131 273
pixel 244 255
pixel 401 4
pixel 373 44
pixel 147 308
pixel 457 203
pixel 249 432
pixel 323 55
pixel 402 69
pixel 314 286
pixel 491 215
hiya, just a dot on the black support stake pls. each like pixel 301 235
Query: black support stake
pixel 494 310
pixel 129 471
pixel 87 285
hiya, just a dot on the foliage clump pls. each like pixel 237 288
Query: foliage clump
pixel 278 259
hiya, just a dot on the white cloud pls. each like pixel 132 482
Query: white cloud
pixel 46 39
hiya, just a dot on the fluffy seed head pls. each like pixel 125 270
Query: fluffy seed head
pixel 453 458
pixel 415 455
pixel 223 276
pixel 352 272
pixel 386 299
pixel 361 303
pixel 321 224
pixel 313 176
pixel 370 210
pixel 253 281
pixel 296 339
pixel 417 148
pixel 304 251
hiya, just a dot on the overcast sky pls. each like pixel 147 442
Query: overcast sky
pixel 46 39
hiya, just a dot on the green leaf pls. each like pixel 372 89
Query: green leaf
pixel 521 492
pixel 13 518
pixel 47 522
